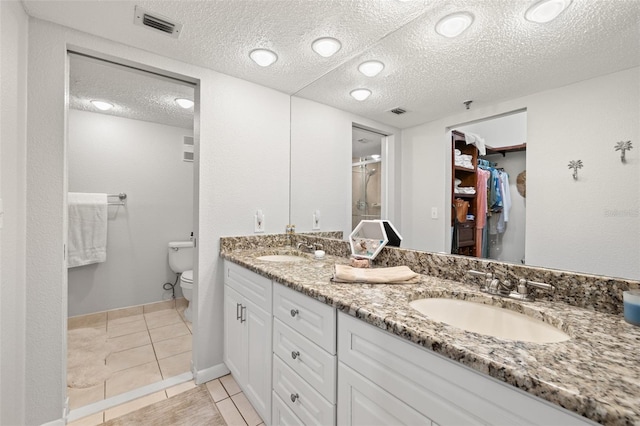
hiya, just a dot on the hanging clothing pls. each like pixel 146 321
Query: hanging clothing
pixel 482 182
pixel 506 202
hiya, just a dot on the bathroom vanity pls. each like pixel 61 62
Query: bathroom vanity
pixel 315 352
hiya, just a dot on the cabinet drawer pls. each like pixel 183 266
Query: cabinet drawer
pixel 311 318
pixel 443 390
pixel 312 363
pixel 254 287
pixel 282 415
pixel 305 402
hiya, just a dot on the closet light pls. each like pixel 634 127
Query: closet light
pixel 360 94
pixel 263 57
pixel 453 25
pixel 371 68
pixel 102 106
pixel 184 103
pixel 326 46
pixel 546 10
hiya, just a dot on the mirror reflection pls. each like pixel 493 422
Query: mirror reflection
pixel 580 88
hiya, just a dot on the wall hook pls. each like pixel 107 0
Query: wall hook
pixel 575 165
pixel 623 146
pixel 467 104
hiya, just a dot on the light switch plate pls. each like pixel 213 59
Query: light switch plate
pixel 258 225
pixel 316 220
pixel 434 212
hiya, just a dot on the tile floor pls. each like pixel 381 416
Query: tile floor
pixel 148 344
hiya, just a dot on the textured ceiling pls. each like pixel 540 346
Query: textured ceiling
pixel 500 56
pixel 135 94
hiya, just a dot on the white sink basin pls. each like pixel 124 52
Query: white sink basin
pixel 489 320
pixel 281 258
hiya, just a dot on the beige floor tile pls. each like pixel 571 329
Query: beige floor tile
pixel 176 364
pixel 173 346
pixel 181 304
pixel 162 318
pixel 159 306
pixel 169 331
pixel 247 411
pixel 124 312
pixel 87 321
pixel 216 390
pixel 79 397
pixel 134 405
pixel 230 413
pixel 124 320
pixel 122 360
pixel 127 328
pixel 183 387
pixel 128 341
pixel 230 384
pixel 189 325
pixel 133 378
pixel 92 420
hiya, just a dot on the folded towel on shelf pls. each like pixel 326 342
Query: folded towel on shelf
pixel 87 229
pixel 473 139
pixel 464 190
pixel 457 152
pixel 392 275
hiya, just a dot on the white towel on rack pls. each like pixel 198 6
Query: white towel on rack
pixel 87 229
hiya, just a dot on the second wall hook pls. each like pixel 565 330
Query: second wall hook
pixel 623 146
pixel 575 165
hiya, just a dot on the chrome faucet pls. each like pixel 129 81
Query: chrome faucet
pixel 521 291
pixel 304 245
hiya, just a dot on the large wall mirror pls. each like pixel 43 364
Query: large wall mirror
pixel 577 78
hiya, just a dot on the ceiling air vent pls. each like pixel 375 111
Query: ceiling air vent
pixel 144 18
pixel 398 111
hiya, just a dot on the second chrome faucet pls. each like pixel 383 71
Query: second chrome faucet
pixel 506 288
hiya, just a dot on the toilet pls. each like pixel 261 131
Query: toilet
pixel 181 262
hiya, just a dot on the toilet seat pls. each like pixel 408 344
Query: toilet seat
pixel 187 278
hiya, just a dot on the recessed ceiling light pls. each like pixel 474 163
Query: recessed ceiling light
pixel 102 106
pixel 360 94
pixel 371 68
pixel 453 25
pixel 263 57
pixel 326 46
pixel 184 103
pixel 546 10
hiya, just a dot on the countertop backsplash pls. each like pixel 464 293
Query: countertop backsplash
pixel 594 292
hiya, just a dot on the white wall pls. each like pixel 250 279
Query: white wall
pixel 590 225
pixel 13 117
pixel 243 147
pixel 321 166
pixel 110 154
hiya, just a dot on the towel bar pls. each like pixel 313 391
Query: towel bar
pixel 121 196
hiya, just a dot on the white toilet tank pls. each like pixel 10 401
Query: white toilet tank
pixel 180 256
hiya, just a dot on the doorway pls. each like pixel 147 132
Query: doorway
pixel 366 175
pixel 139 151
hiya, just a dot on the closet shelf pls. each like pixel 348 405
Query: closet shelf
pixel 464 195
pixel 504 149
pixel 464 169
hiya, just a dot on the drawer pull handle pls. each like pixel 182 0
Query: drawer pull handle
pixel 294 397
pixel 238 311
pixel 243 312
pixel 294 312
pixel 295 354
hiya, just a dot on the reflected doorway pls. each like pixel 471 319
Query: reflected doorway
pixel 366 175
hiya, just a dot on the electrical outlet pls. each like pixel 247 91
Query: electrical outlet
pixel 258 224
pixel 316 220
pixel 434 212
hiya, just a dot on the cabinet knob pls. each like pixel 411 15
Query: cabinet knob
pixel 295 354
pixel 294 312
pixel 294 397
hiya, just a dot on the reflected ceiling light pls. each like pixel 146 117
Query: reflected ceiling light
pixel 184 103
pixel 546 10
pixel 102 106
pixel 263 57
pixel 326 46
pixel 360 94
pixel 453 25
pixel 371 68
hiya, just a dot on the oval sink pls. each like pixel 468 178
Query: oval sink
pixel 488 320
pixel 281 258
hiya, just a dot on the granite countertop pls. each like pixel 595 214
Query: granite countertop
pixel 595 374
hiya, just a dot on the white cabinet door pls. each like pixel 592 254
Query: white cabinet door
pixel 361 402
pixel 258 375
pixel 234 337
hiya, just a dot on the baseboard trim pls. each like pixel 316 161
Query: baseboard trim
pixel 58 422
pixel 208 374
pixel 105 404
